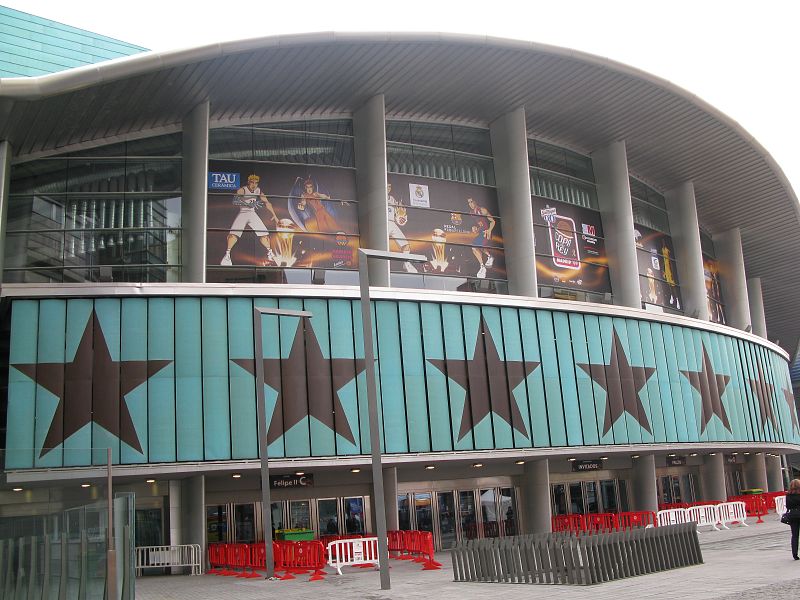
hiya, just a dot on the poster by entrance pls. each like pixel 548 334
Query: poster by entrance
pixel 276 215
pixel 716 308
pixel 658 273
pixel 456 225
pixel 570 248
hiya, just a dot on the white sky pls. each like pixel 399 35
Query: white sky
pixel 740 56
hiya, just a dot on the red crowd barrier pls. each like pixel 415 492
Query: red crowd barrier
pixel 643 518
pixel 755 505
pixel 413 545
pixel 242 560
pixel 601 522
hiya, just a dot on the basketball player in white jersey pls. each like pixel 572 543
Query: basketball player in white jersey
pixel 398 217
pixel 249 198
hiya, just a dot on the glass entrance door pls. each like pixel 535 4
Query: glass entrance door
pixel 299 514
pixel 354 519
pixel 423 509
pixel 467 517
pixel 328 510
pixel 244 523
pixel 446 509
pixel 217 523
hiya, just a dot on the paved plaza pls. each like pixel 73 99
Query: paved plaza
pixel 740 564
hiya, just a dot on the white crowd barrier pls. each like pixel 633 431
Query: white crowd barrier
pixel 780 505
pixel 672 516
pixel 706 515
pixel 359 551
pixel 732 512
pixel 186 555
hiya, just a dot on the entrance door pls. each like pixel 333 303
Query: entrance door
pixel 354 518
pixel 491 525
pixel 446 504
pixel 299 514
pixel 328 511
pixel 467 517
pixel 244 523
pixel 508 511
pixel 149 527
pixel 217 523
pixel 423 509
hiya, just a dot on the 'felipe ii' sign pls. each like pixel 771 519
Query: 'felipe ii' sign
pixel 277 482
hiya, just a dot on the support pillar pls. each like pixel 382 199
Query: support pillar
pixel 774 473
pixel 685 230
pixel 614 197
pixel 536 496
pixel 390 498
pixel 369 131
pixel 5 181
pixel 712 478
pixel 755 472
pixel 733 281
pixel 512 173
pixel 645 492
pixel 194 206
pixel 757 318
pixel 193 510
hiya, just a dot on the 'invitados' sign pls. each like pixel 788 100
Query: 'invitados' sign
pixel 676 461
pixel 223 181
pixel 291 481
pixel 587 465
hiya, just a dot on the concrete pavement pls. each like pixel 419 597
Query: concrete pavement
pixel 745 563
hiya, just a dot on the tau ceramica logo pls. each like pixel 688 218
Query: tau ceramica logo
pixel 223 181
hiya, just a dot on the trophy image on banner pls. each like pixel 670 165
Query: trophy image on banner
pixel 284 239
pixel 438 240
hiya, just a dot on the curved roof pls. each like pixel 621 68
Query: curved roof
pixel 571 98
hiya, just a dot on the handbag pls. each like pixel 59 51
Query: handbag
pixel 785 518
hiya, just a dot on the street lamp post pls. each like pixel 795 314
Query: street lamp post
pixel 372 399
pixel 263 425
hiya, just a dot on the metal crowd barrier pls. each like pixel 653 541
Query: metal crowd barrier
pixel 564 558
pixel 185 555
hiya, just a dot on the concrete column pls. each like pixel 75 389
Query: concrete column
pixel 755 472
pixel 733 281
pixel 175 518
pixel 5 181
pixel 194 206
pixel 645 491
pixel 512 173
pixel 757 318
pixel 369 130
pixel 536 496
pixel 614 197
pixel 774 473
pixel 712 478
pixel 685 232
pixel 390 498
pixel 193 510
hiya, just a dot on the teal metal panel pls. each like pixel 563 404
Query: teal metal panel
pixel 618 427
pixel 274 347
pixel 216 401
pixel 50 344
pixel 629 418
pixel 652 388
pixel 693 402
pixel 771 391
pixel 738 394
pixel 566 371
pixel 687 401
pixel 162 440
pixel 536 400
pixel 597 364
pixel 676 381
pixel 419 438
pixel 636 359
pixel 363 408
pixel 296 436
pixel 667 407
pixel 552 380
pixel 497 378
pixel 512 341
pixel 390 363
pixel 436 382
pixel 244 419
pixel 340 313
pixel 134 333
pixel 728 394
pixel 482 424
pixel 78 446
pixel 21 447
pixel 188 380
pixel 454 350
pixel 320 382
pixel 751 398
pixel 583 381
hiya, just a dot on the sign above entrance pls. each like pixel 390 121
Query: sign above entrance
pixel 587 465
pixel 291 481
pixel 676 461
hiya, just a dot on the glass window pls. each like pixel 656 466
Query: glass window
pixel 299 514
pixel 559 499
pixel 624 505
pixel 467 514
pixel 592 503
pixel 423 511
pixel 508 511
pixel 244 524
pixel 404 512
pixel 354 521
pixel 328 516
pixel 447 519
pixel 576 505
pixel 608 493
pixel 489 516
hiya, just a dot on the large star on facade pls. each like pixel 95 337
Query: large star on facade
pixel 710 386
pixel 91 389
pixel 307 385
pixel 789 397
pixel 622 383
pixel 487 381
pixel 764 392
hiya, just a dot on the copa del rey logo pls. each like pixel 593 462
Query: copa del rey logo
pixel 223 181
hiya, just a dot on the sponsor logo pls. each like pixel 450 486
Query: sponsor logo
pixel 223 181
pixel 588 229
pixel 455 219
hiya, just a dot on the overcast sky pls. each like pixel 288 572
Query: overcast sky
pixel 740 56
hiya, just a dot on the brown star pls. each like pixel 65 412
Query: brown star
pixel 307 385
pixel 710 386
pixel 622 383
pixel 764 392
pixel 91 389
pixel 789 397
pixel 487 381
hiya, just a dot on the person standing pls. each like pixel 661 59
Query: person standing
pixel 793 511
pixel 483 229
pixel 397 218
pixel 249 198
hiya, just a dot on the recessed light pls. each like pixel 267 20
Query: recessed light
pixel 713 454
pixel 693 454
pixel 86 485
pixel 16 489
pixel 634 456
pixel 519 462
pixel 747 454
pixel 477 465
pixel 237 475
pixel 572 459
pixel 356 470
pixel 734 453
pixel 298 473
pixel 430 467
pixel 671 455
pixel 603 458
pixel 150 481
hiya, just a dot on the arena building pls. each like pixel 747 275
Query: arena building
pixel 608 266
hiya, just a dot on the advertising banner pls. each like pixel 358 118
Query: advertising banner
pixel 456 225
pixel 658 273
pixel 284 216
pixel 716 310
pixel 570 249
